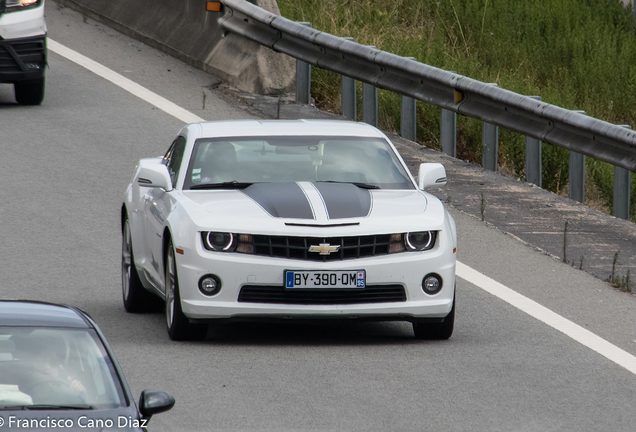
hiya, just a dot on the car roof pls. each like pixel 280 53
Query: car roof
pixel 227 128
pixel 24 313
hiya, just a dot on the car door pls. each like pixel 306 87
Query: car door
pixel 157 206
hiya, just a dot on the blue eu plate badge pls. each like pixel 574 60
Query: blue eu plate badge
pixel 361 280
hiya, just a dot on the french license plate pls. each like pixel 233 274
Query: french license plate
pixel 325 279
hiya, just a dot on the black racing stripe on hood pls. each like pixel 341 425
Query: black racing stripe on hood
pixel 285 200
pixel 344 200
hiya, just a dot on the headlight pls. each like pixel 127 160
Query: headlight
pixel 18 5
pixel 218 241
pixel 420 241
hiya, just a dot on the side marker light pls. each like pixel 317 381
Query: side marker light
pixel 213 6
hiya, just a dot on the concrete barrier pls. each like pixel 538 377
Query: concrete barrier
pixel 185 30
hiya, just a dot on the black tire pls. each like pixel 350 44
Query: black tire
pixel 135 297
pixel 436 331
pixel 178 325
pixel 29 92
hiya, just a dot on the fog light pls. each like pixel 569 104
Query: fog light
pixel 432 283
pixel 209 285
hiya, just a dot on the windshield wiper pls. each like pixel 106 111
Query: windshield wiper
pixel 47 407
pixel 224 185
pixel 359 184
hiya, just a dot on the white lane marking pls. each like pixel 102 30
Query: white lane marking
pixel 532 308
pixel 545 315
pixel 130 86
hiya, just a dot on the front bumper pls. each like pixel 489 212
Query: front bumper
pixel 239 271
pixel 22 59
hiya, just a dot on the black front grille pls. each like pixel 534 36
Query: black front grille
pixel 7 61
pixel 29 51
pixel 298 247
pixel 280 295
pixel 28 48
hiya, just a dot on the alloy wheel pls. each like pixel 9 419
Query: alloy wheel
pixel 126 261
pixel 170 276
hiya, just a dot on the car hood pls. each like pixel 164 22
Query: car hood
pixel 305 204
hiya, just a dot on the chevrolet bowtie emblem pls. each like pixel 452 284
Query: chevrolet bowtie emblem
pixel 324 248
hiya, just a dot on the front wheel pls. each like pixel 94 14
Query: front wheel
pixel 436 331
pixel 179 327
pixel 29 92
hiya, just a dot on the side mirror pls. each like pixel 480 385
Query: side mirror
pixel 155 176
pixel 154 402
pixel 431 174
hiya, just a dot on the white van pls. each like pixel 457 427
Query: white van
pixel 23 48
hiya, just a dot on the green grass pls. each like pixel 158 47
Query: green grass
pixel 577 54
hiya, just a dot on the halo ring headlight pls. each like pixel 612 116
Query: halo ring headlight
pixel 420 240
pixel 219 241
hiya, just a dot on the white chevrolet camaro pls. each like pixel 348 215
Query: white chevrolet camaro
pixel 278 220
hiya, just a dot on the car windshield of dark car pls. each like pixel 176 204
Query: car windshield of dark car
pixel 57 367
pixel 367 162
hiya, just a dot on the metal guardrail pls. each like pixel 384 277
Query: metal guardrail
pixel 452 92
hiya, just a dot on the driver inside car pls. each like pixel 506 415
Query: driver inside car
pixel 220 163
pixel 47 380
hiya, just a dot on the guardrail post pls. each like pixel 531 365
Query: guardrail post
pixel 622 189
pixel 408 117
pixel 303 78
pixel 448 132
pixel 622 185
pixel 348 94
pixel 577 175
pixel 533 157
pixel 490 142
pixel 370 104
pixel 490 138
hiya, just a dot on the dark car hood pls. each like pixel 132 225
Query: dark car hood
pixel 298 201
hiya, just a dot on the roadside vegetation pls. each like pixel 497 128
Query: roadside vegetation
pixel 577 54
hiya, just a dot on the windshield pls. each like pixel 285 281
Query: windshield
pixel 56 366
pixel 369 162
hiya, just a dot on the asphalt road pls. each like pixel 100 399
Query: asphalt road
pixel 64 168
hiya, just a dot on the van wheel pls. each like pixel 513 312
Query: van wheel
pixel 29 92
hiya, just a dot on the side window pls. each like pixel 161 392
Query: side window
pixel 174 157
